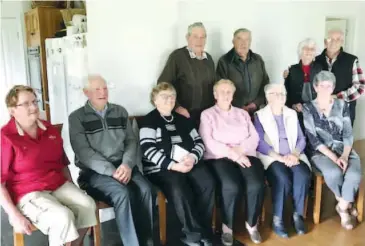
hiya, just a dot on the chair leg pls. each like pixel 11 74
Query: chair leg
pixel 162 216
pixel 18 239
pixel 263 213
pixel 360 201
pixel 305 207
pixel 97 230
pixel 317 199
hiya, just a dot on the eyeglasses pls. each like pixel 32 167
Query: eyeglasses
pixel 167 96
pixel 28 104
pixel 278 94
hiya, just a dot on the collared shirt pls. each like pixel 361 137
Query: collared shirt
pixel 29 164
pixel 194 56
pixel 358 81
pixel 100 113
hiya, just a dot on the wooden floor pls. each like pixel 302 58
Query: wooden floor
pixel 328 233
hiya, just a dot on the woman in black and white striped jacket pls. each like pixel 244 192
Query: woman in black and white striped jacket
pixel 172 160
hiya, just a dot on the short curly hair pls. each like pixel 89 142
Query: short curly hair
pixel 163 86
pixel 11 99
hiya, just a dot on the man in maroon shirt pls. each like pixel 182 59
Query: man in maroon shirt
pixel 36 185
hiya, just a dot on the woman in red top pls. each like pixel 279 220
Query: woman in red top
pixel 298 81
pixel 36 185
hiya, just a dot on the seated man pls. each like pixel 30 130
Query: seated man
pixel 105 149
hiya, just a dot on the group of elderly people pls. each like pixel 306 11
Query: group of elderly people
pixel 210 135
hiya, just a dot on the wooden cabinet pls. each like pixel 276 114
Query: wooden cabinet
pixel 40 23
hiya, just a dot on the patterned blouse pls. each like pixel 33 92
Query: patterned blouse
pixel 334 131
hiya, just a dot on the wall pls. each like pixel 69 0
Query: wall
pixel 129 45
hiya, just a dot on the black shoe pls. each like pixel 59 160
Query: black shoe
pixel 299 224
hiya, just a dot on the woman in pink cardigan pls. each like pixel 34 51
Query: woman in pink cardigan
pixel 231 140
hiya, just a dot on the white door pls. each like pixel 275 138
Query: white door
pixel 12 62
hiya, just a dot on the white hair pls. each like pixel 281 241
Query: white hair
pixel 335 30
pixel 244 30
pixel 194 25
pixel 271 86
pixel 308 42
pixel 92 77
pixel 324 76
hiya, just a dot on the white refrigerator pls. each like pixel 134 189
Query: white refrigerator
pixel 67 69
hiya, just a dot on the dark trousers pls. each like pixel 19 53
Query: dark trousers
pixel 132 204
pixel 235 182
pixel 192 195
pixel 352 107
pixel 285 181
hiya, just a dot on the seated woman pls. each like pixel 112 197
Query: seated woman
pixel 281 149
pixel 172 152
pixel 36 184
pixel 298 82
pixel 329 131
pixel 231 141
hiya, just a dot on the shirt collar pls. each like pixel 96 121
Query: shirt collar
pixel 21 131
pixel 194 56
pixel 237 58
pixel 102 112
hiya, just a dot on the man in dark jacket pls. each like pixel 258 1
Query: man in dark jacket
pixel 350 81
pixel 246 70
pixel 191 71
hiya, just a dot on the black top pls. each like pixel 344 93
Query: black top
pixel 295 81
pixel 249 77
pixel 157 136
pixel 342 68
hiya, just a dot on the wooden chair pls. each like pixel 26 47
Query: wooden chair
pixel 161 199
pixel 318 184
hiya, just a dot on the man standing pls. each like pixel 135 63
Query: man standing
pixel 105 151
pixel 350 81
pixel 191 71
pixel 247 71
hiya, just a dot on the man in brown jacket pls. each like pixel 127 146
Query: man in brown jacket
pixel 191 71
pixel 246 70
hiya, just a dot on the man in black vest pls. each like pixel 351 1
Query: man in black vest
pixel 350 81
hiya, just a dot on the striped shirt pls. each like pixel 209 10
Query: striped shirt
pixel 156 141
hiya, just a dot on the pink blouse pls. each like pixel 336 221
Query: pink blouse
pixel 221 130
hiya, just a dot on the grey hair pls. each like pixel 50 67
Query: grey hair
pixel 194 25
pixel 92 77
pixel 270 86
pixel 324 76
pixel 308 42
pixel 335 30
pixel 244 30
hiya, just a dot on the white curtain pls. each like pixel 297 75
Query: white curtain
pixel 12 62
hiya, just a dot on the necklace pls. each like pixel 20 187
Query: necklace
pixel 168 121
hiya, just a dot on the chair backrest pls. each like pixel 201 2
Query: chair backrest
pixel 59 127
